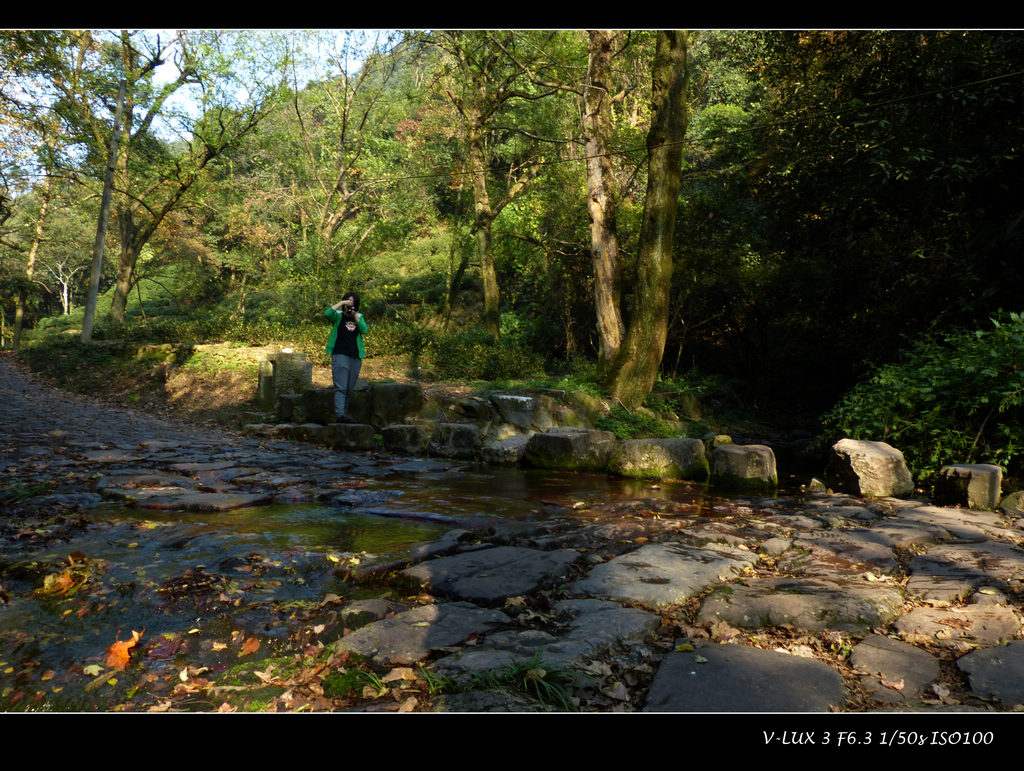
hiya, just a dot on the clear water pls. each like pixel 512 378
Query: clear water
pixel 264 565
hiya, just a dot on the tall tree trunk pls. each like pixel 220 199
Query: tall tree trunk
pixel 122 285
pixel 483 221
pixel 604 243
pixel 30 264
pixel 636 365
pixel 126 259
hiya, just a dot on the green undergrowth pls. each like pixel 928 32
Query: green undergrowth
pixel 951 398
pixel 635 425
pixel 532 677
pixel 135 359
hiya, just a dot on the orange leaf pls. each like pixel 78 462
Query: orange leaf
pixel 251 646
pixel 117 654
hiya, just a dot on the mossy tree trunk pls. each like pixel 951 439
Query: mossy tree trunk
pixel 636 364
pixel 604 244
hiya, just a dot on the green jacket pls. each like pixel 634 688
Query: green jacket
pixel 337 317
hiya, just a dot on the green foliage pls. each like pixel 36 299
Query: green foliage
pixel 474 355
pixel 837 185
pixel 532 677
pixel 634 425
pixel 20 491
pixel 349 682
pixel 951 398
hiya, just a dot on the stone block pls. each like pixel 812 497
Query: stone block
pixel 318 405
pixel 348 436
pixel 508 451
pixel 869 469
pixel 292 373
pixel 406 439
pixel 289 408
pixel 976 486
pixel 266 396
pixel 360 403
pixel 572 449
pixel 309 432
pixel 394 402
pixel 455 440
pixel 676 458
pixel 525 412
pixel 478 410
pixel 744 467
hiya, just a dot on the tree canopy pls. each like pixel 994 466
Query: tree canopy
pixel 840 194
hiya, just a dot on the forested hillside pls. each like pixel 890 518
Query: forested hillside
pixel 789 213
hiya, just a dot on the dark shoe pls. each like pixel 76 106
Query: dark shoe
pixel 343 419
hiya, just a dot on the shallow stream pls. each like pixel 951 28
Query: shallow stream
pixel 190 580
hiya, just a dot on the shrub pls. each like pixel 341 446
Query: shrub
pixel 474 355
pixel 955 398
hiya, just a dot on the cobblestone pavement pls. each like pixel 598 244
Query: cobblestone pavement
pixel 775 604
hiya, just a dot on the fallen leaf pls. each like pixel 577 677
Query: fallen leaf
pixel 265 675
pixel 251 646
pixel 617 691
pixel 399 673
pixel 118 654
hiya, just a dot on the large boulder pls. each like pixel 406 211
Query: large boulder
pixel 744 467
pixel 572 449
pixel 661 459
pixel 869 469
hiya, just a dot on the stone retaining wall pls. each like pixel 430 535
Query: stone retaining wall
pixel 556 430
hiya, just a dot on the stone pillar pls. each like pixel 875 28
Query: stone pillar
pixel 265 394
pixel 283 373
pixel 292 373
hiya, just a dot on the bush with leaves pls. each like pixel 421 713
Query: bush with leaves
pixel 475 355
pixel 952 398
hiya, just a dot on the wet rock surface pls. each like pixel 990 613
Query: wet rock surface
pixel 656 598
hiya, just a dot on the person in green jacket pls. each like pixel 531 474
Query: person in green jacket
pixel 347 352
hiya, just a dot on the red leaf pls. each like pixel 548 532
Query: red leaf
pixel 118 654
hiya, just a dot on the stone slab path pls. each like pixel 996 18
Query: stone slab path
pixel 779 604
